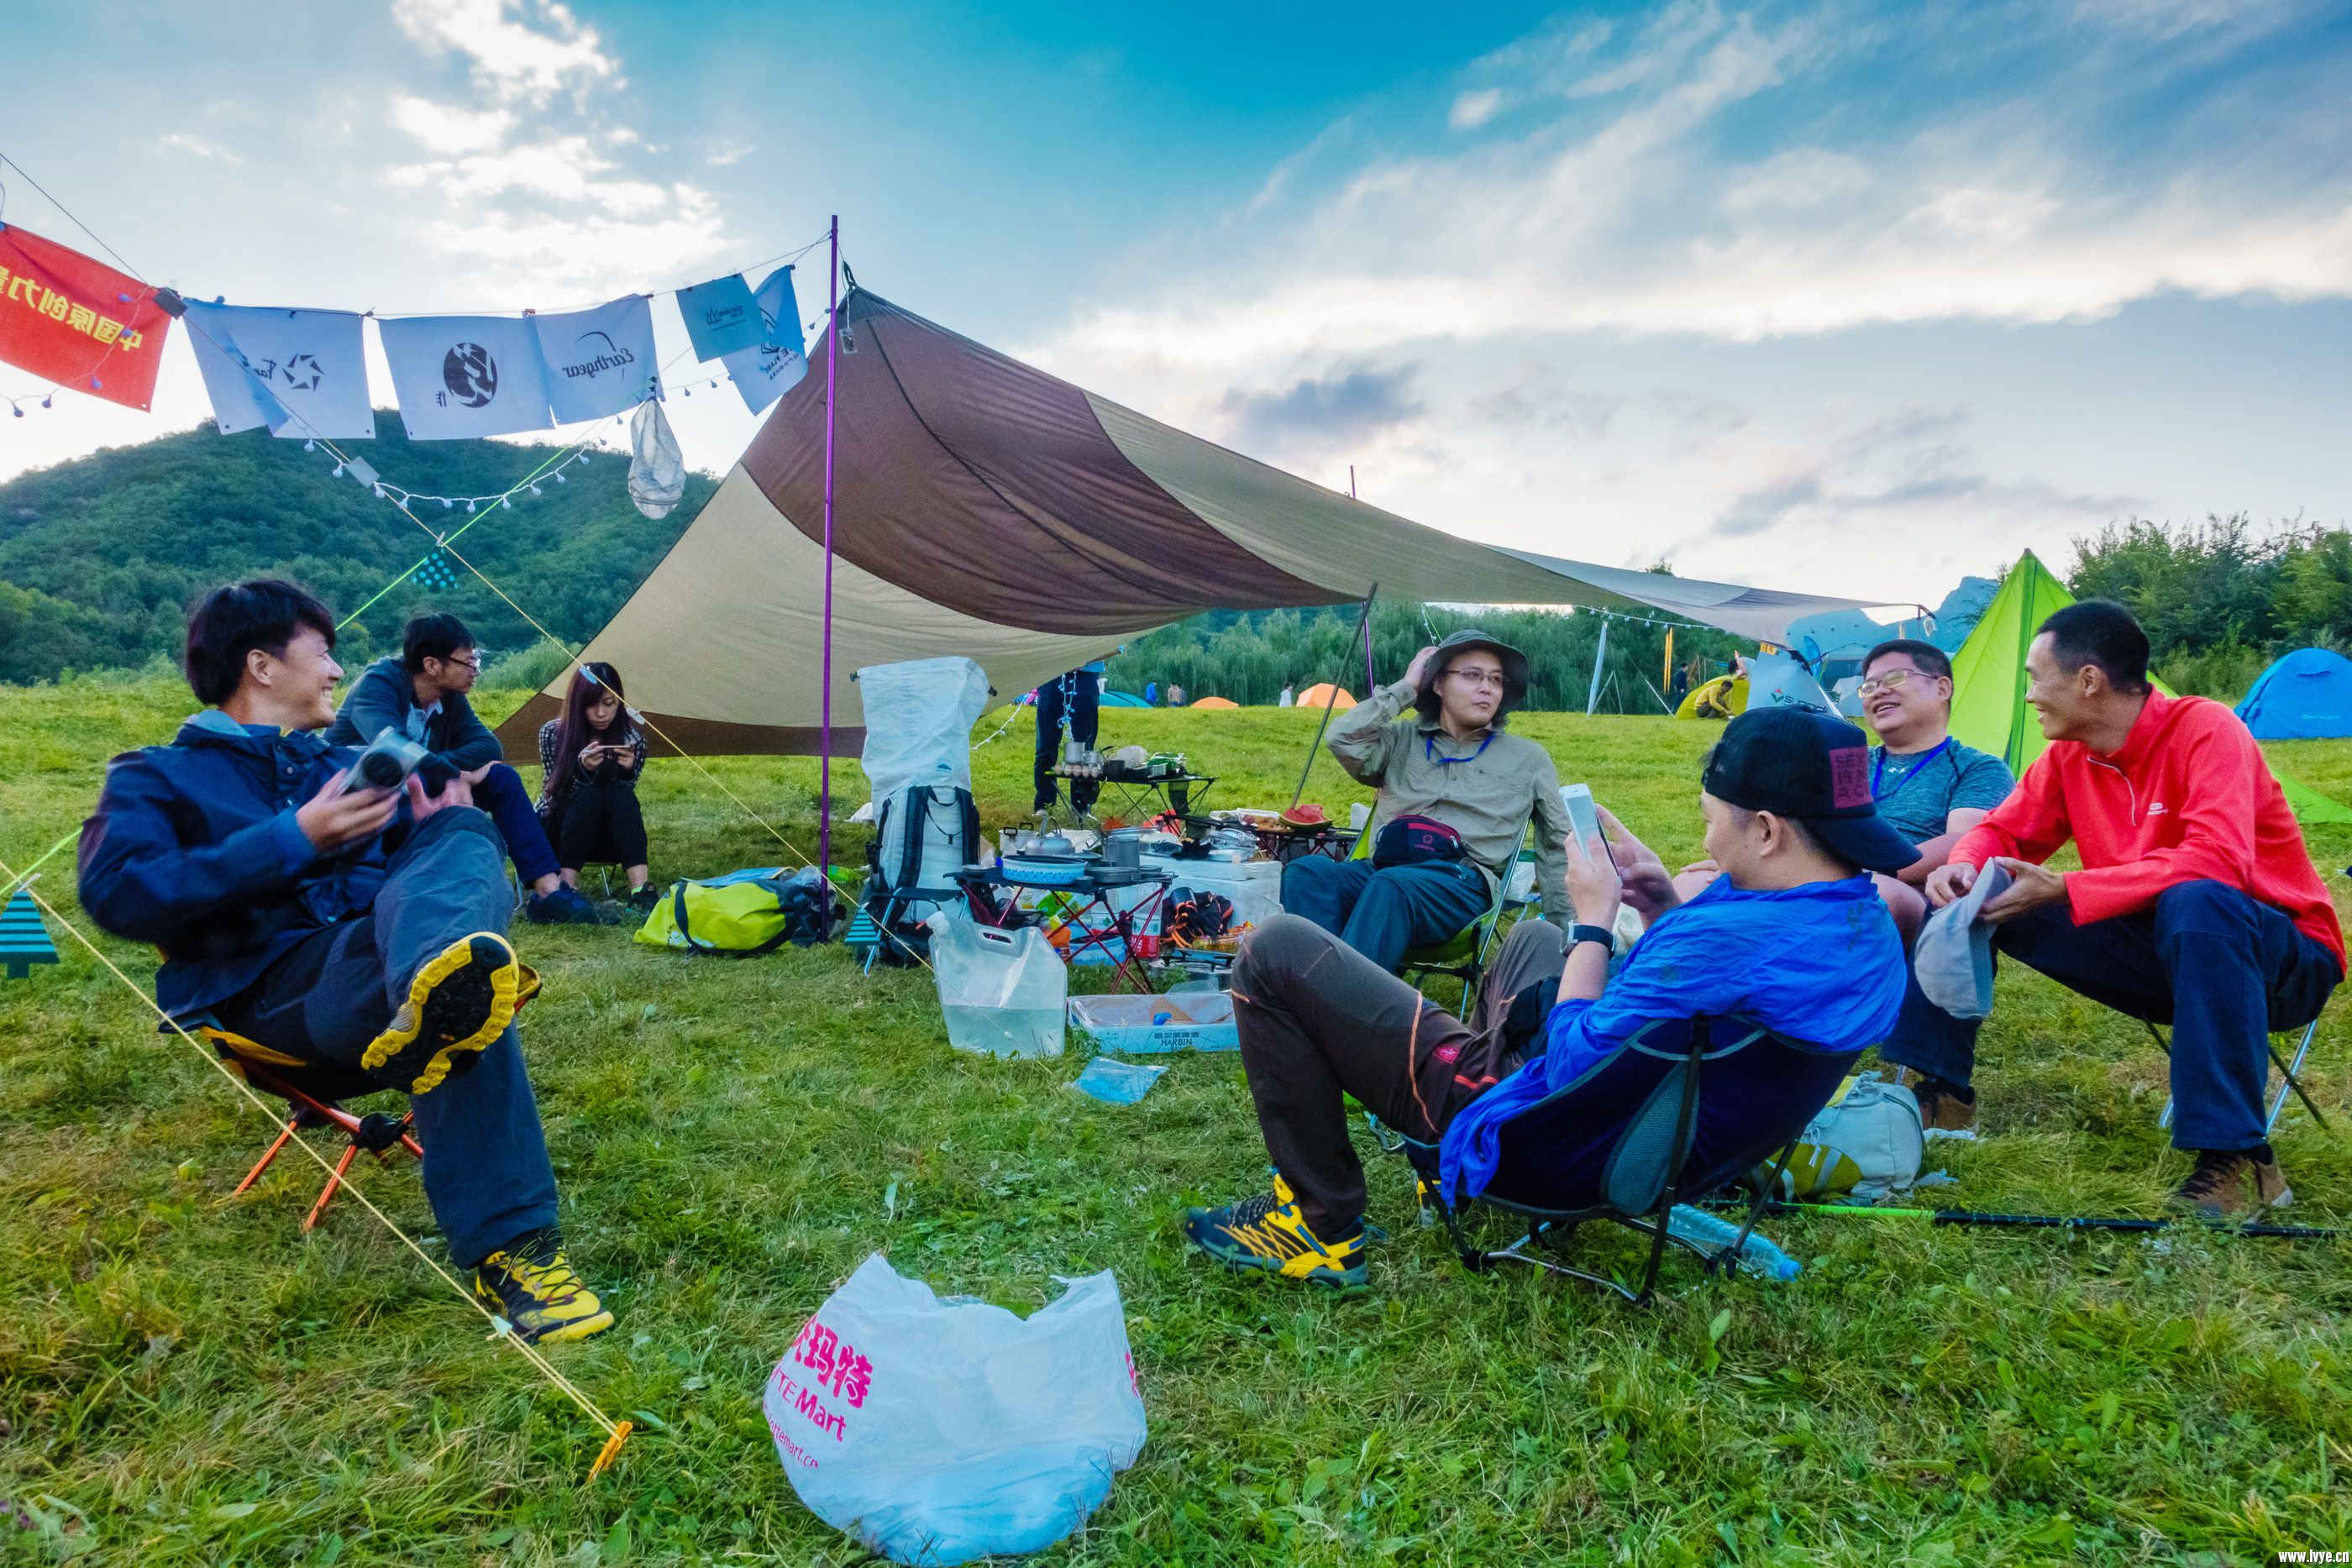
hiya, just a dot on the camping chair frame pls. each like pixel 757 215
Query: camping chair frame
pixel 2287 1070
pixel 1549 1228
pixel 374 1133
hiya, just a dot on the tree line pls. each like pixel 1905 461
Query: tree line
pixel 99 556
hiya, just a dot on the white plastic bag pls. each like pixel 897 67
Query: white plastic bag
pixel 657 467
pixel 1003 992
pixel 919 719
pixel 938 1431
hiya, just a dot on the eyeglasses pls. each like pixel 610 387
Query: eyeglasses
pixel 1892 681
pixel 1478 677
pixel 474 665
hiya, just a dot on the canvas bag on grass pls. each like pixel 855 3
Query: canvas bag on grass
pixel 1865 1143
pixel 743 913
pixel 939 1431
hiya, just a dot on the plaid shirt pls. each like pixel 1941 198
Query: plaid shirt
pixel 548 732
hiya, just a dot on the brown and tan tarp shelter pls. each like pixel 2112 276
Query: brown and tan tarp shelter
pixel 985 508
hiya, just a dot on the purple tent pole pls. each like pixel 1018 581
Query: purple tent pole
pixel 824 720
pixel 1370 679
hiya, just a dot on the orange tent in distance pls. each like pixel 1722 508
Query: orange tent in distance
pixel 1325 694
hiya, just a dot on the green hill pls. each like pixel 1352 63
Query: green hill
pixel 99 557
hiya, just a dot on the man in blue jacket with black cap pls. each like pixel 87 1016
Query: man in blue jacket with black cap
pixel 1792 935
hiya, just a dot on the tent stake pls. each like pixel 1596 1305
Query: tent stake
pixel 825 719
pixel 1363 629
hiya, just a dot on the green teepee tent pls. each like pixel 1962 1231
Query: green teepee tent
pixel 1988 709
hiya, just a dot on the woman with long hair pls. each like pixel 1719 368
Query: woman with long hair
pixel 592 757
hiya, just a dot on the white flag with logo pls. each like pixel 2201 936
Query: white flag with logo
pixel 599 361
pixel 465 375
pixel 302 374
pixel 765 373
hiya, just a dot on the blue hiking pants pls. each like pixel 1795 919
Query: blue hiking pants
pixel 485 1169
pixel 1381 913
pixel 502 795
pixel 2225 970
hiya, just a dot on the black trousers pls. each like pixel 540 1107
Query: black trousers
pixel 598 822
pixel 1319 1021
pixel 1076 698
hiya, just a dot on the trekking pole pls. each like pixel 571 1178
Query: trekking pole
pixel 2045 1221
pixel 1363 630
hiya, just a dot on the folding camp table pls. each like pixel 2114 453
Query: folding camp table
pixel 1103 920
pixel 1142 797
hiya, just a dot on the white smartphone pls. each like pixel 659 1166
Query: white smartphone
pixel 1581 813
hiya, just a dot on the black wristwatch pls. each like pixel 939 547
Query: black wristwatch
pixel 1600 933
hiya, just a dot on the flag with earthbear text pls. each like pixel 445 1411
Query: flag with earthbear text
pixel 459 376
pixel 765 373
pixel 75 322
pixel 599 361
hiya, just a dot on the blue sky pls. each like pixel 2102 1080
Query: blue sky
pixel 1832 295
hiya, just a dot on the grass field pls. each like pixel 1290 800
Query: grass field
pixel 185 1379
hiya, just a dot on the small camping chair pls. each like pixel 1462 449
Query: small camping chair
pixel 270 1071
pixel 2287 1070
pixel 1649 1127
pixel 1464 955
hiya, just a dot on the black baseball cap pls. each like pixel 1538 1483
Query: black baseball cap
pixel 1812 768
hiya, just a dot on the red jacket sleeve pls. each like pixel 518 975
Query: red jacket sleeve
pixel 2030 825
pixel 2225 774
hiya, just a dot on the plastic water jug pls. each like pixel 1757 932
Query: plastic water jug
pixel 1003 992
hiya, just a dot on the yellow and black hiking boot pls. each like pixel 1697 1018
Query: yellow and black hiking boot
pixel 1268 1232
pixel 1944 1107
pixel 461 999
pixel 532 1285
pixel 2233 1185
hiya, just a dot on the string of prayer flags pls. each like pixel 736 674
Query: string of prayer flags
pixel 302 374
pixel 77 322
pixel 765 373
pixel 600 362
pixel 459 376
pixel 720 318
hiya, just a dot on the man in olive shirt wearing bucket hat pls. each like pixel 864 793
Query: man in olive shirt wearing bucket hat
pixel 1456 794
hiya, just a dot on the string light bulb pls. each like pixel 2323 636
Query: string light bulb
pixel 534 489
pixel 447 502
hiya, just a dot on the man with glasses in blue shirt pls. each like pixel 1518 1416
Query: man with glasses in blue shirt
pixel 420 693
pixel 1455 794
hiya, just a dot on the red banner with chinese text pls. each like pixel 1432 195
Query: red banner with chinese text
pixel 78 322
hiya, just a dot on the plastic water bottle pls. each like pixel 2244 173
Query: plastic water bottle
pixel 1758 1256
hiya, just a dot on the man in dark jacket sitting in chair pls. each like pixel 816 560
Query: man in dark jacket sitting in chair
pixel 421 693
pixel 1792 936
pixel 361 931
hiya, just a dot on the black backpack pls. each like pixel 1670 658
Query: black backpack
pixel 922 836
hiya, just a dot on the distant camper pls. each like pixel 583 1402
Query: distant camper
pixel 1285 699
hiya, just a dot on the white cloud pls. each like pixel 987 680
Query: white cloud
pixel 1473 109
pixel 529 190
pixel 449 128
pixel 199 147
pixel 1632 224
pixel 507 51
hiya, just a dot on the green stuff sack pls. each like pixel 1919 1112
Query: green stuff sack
pixel 743 913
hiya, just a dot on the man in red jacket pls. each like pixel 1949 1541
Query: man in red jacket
pixel 2196 903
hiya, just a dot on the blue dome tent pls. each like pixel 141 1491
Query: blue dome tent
pixel 2306 695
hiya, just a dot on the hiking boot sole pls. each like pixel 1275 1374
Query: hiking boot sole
pixel 462 999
